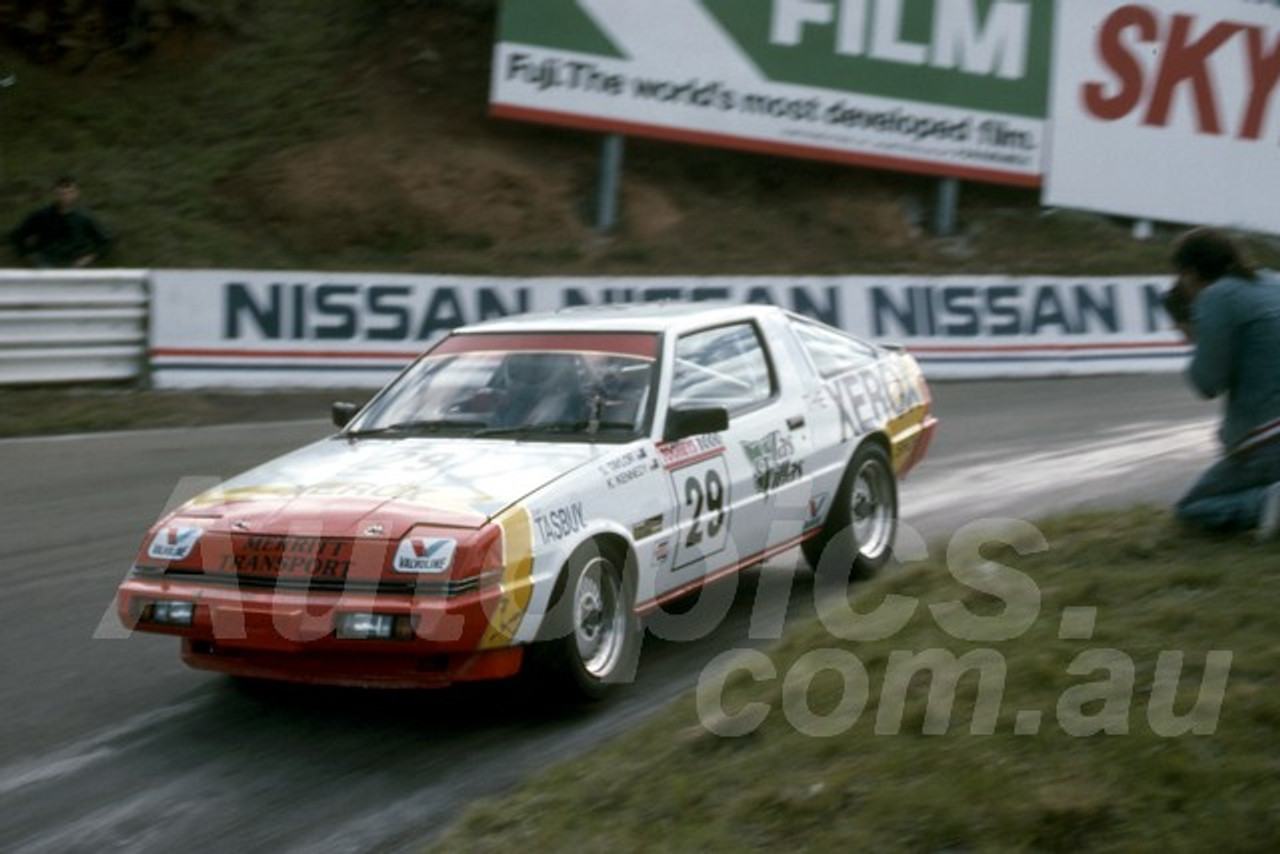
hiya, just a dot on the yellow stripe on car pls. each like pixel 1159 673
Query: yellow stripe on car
pixel 906 429
pixel 517 585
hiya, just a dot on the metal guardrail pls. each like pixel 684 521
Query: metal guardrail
pixel 73 325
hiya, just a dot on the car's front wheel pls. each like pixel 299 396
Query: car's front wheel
pixel 596 640
pixel 858 533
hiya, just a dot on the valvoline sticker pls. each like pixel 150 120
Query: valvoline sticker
pixel 174 542
pixel 424 554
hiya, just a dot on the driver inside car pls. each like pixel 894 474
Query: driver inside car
pixel 541 388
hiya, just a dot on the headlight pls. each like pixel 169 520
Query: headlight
pixel 425 555
pixel 174 542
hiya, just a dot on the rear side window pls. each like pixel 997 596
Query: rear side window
pixel 833 353
pixel 725 366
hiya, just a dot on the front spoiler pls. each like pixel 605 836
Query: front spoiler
pixel 354 670
pixel 291 636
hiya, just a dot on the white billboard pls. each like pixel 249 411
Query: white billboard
pixel 239 328
pixel 943 87
pixel 1167 111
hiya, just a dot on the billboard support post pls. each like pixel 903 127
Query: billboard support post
pixel 946 202
pixel 610 180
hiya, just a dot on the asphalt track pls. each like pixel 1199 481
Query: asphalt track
pixel 108 743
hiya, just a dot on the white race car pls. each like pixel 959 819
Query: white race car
pixel 527 490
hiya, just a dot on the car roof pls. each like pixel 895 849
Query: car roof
pixel 652 317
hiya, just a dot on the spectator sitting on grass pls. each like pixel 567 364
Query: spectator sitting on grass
pixel 61 234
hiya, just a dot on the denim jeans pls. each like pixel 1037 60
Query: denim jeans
pixel 1229 495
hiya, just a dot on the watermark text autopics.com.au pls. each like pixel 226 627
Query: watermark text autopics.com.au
pixel 1098 698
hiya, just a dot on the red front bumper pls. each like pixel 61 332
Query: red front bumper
pixel 291 636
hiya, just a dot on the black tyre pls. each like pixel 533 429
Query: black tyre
pixel 594 640
pixel 858 533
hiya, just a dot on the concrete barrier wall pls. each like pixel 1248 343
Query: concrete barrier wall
pixel 299 329
pixel 296 328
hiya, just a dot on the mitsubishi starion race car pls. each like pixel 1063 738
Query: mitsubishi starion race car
pixel 524 493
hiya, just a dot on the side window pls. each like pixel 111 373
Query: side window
pixel 833 353
pixel 725 366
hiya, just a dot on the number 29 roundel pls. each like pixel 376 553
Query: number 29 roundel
pixel 701 481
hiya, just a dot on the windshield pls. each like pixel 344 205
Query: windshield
pixel 521 386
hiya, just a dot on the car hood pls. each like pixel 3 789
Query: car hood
pixel 338 487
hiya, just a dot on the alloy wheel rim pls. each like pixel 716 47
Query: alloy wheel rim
pixel 871 509
pixel 599 621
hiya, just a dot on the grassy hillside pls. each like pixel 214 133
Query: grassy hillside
pixel 329 134
pixel 1129 706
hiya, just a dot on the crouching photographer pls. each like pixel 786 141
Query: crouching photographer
pixel 1231 313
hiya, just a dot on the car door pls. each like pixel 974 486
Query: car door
pixel 726 484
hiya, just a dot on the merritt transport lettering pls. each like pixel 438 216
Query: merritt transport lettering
pixel 294 556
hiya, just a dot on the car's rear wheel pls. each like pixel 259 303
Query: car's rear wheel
pixel 596 634
pixel 858 533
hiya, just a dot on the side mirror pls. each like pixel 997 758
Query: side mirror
pixel 343 412
pixel 695 421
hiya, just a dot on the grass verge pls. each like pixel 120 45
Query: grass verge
pixel 1120 728
pixel 49 410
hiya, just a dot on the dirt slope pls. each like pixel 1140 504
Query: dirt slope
pixel 422 158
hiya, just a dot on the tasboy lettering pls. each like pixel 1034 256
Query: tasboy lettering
pixel 554 525
pixel 1187 47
